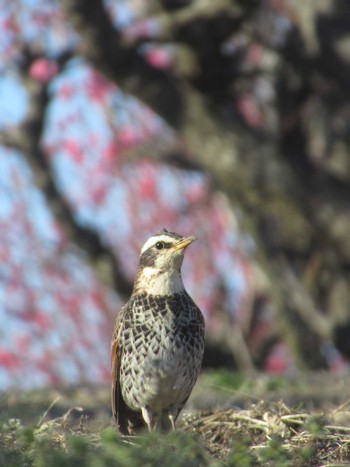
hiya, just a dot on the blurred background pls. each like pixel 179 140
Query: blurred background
pixel 228 120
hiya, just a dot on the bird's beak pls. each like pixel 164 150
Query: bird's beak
pixel 184 243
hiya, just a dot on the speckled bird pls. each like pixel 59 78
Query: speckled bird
pixel 158 341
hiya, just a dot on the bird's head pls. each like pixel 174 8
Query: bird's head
pixel 159 271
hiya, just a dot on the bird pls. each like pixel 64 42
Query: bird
pixel 158 341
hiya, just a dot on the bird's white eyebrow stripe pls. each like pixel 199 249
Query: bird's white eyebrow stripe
pixel 157 238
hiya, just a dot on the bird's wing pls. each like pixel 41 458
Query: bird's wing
pixel 127 420
pixel 118 404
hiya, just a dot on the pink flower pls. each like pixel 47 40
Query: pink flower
pixel 146 29
pixel 278 361
pixel 159 58
pixel 43 70
pixel 8 360
pixel 98 86
pixel 255 54
pixel 126 137
pixel 147 188
pixel 249 110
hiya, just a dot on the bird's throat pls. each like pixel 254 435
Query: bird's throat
pixel 156 282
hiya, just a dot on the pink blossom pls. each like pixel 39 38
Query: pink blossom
pixel 74 150
pixel 126 136
pixel 66 91
pixel 98 87
pixel 159 58
pixel 110 152
pixel 146 29
pixel 147 187
pixel 43 70
pixel 278 360
pixel 255 54
pixel 8 360
pixel 250 111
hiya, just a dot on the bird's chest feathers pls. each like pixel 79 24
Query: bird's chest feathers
pixel 156 282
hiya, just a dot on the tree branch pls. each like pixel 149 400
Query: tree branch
pixel 123 64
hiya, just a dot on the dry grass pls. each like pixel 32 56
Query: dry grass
pixel 273 431
pixel 268 432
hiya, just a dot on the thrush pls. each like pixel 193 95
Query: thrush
pixel 158 341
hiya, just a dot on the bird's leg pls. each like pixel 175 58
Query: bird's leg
pixel 172 417
pixel 172 421
pixel 148 418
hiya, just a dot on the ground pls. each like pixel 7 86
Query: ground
pixel 231 419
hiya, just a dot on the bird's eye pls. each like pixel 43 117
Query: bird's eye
pixel 159 245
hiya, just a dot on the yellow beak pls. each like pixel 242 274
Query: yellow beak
pixel 184 243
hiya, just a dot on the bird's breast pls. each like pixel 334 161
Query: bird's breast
pixel 163 343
